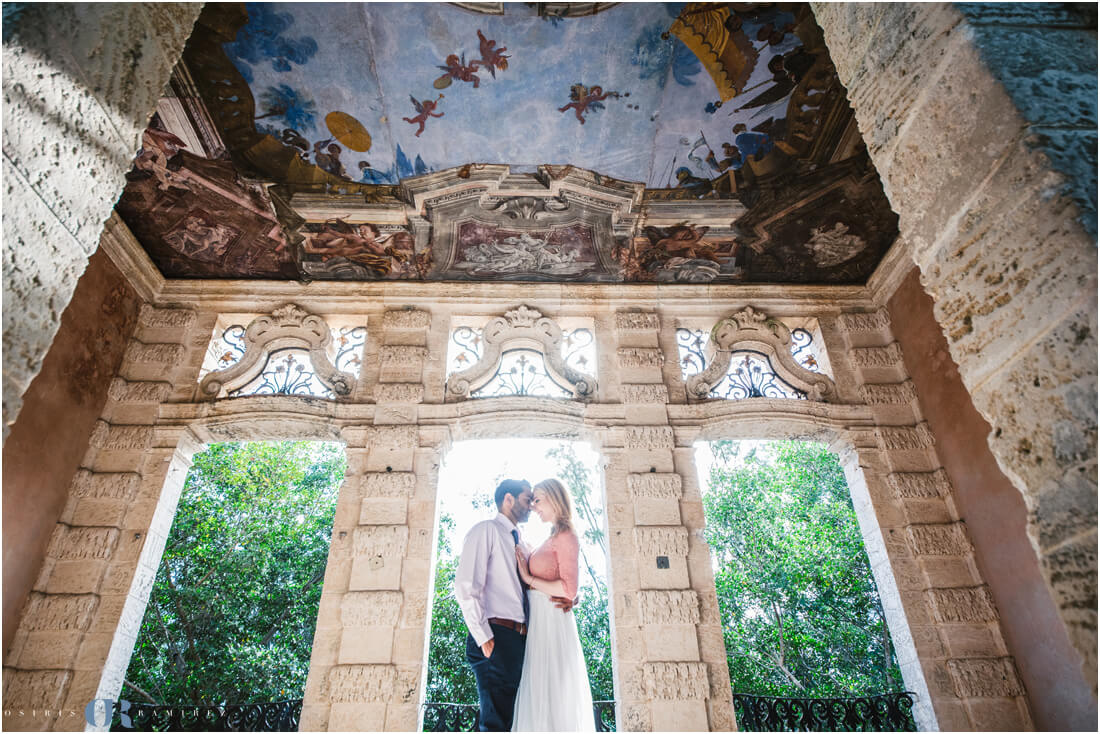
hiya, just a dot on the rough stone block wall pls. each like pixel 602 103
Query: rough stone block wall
pixel 81 620
pixel 982 182
pixel 80 83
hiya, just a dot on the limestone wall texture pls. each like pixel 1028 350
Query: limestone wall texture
pixel 64 402
pixel 80 83
pixel 982 180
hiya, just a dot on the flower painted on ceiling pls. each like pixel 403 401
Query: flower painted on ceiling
pixel 262 38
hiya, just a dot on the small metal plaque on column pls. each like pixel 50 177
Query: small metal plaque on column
pixel 662 561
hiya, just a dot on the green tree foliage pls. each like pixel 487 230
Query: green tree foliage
pixel 449 676
pixel 800 610
pixel 233 608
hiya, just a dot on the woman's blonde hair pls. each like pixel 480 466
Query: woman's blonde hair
pixel 560 500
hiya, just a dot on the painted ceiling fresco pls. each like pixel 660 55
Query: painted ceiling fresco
pixel 693 104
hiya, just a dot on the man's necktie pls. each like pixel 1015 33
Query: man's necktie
pixel 526 604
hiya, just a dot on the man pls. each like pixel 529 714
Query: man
pixel 492 600
pixel 491 597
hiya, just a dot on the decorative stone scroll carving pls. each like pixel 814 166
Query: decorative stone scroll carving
pixel 920 485
pixel 751 330
pixel 176 318
pixel 358 683
pixel 869 321
pixel 522 327
pixel 287 326
pixel 669 607
pixel 963 605
pixel 677 681
pixel 636 321
pixel 640 357
pixel 985 677
pixel 381 540
pixel 939 540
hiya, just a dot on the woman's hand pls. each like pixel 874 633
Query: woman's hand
pixel 524 569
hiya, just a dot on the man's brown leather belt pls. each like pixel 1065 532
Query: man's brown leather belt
pixel 510 624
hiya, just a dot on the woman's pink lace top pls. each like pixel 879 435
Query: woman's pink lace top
pixel 557 559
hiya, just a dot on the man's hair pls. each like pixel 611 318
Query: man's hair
pixel 514 487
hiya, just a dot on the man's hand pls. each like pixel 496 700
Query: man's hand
pixel 564 604
pixel 487 647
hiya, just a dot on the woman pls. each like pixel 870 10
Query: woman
pixel 553 690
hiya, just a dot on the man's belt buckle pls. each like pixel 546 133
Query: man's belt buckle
pixel 510 624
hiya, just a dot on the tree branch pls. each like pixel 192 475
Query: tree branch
pixel 290 607
pixel 140 691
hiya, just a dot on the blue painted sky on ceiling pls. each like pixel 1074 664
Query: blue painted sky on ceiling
pixel 368 91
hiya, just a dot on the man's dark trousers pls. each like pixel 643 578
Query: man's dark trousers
pixel 497 676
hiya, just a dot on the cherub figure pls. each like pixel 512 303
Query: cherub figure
pixel 584 97
pixel 458 70
pixel 425 111
pixel 491 58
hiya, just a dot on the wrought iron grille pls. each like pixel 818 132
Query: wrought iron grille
pixel 884 712
pixel 349 341
pixel 522 370
pixel 273 716
pixel 464 716
pixel 224 351
pixel 288 371
pixel 751 374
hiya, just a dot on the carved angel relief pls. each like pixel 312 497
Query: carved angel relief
pixel 288 330
pixel 758 336
pixel 520 349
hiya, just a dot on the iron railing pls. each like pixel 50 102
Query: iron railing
pixel 464 716
pixel 271 716
pixel 884 712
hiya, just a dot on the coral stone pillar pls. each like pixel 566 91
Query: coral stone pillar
pixel 660 568
pixel 368 655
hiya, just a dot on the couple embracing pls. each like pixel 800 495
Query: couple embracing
pixel 522 643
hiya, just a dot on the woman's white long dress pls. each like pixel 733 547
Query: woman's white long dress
pixel 553 692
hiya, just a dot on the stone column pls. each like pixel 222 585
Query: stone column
pixel 80 83
pixel 992 171
pixel 368 656
pixel 81 621
pixel 659 565
pixel 941 616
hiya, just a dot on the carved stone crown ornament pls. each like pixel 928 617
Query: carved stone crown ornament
pixel 288 326
pixel 751 330
pixel 523 327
